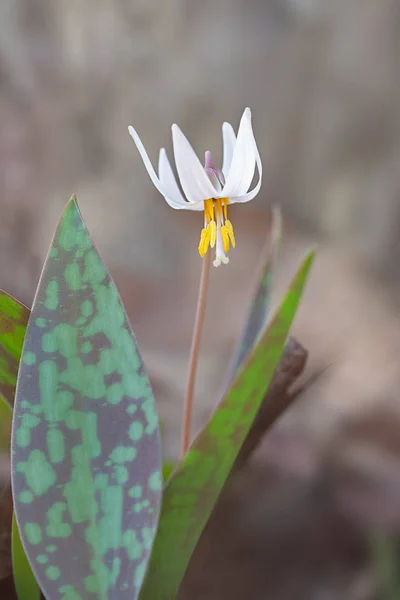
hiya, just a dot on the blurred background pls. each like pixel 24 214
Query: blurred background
pixel 316 515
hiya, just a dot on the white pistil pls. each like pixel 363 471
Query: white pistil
pixel 220 256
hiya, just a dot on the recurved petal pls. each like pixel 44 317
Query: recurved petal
pixel 250 195
pixel 243 163
pixel 229 141
pixel 168 182
pixel 194 180
pixel 149 167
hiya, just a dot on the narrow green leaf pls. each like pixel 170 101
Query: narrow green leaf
pixel 5 425
pixel 168 468
pixel 386 563
pixel 13 320
pixel 24 580
pixel 86 459
pixel 260 305
pixel 5 436
pixel 193 489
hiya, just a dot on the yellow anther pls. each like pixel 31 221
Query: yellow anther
pixel 229 228
pixel 212 226
pixel 225 237
pixel 209 209
pixel 216 211
pixel 204 242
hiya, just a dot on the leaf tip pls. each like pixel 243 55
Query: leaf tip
pixel 71 208
pixel 306 264
pixel 310 255
pixel 72 203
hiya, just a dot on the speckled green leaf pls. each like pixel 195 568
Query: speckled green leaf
pixel 24 579
pixel 86 459
pixel 258 313
pixel 193 489
pixel 13 320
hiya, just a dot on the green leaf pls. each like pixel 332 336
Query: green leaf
pixel 5 425
pixel 86 468
pixel 386 563
pixel 260 305
pixel 5 435
pixel 13 320
pixel 168 467
pixel 24 580
pixel 193 489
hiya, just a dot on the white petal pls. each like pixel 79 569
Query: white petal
pixel 196 207
pixel 172 201
pixel 243 162
pixel 229 141
pixel 168 183
pixel 194 180
pixel 250 195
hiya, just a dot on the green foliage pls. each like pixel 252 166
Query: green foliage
pixel 260 305
pixel 86 476
pixel 386 558
pixel 5 433
pixel 168 468
pixel 5 425
pixel 24 580
pixel 193 489
pixel 13 320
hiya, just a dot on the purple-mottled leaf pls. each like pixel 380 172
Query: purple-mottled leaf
pixel 86 459
pixel 13 320
pixel 193 488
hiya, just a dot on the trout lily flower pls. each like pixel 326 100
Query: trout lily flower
pixel 206 188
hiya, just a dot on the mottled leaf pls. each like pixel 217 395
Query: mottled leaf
pixel 258 313
pixel 13 320
pixel 24 579
pixel 193 489
pixel 86 459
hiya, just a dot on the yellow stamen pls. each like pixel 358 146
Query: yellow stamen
pixel 204 241
pixel 212 226
pixel 231 235
pixel 225 237
pixel 209 210
pixel 225 202
pixel 216 211
pixel 218 208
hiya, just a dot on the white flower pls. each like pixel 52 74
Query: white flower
pixel 206 188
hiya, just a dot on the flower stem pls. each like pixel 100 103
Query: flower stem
pixel 194 352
